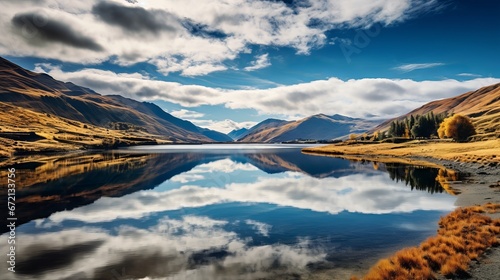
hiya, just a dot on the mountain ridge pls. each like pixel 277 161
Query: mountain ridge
pixel 41 93
pixel 236 134
pixel 315 127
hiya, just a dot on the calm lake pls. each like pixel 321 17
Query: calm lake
pixel 217 212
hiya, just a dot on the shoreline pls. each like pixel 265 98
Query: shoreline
pixel 480 184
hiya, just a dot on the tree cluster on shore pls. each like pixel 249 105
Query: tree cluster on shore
pixel 428 126
pixel 418 126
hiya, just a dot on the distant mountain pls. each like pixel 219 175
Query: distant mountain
pixel 482 105
pixel 260 127
pixel 187 125
pixel 237 133
pixel 265 124
pixel 215 135
pixel 41 93
pixel 317 127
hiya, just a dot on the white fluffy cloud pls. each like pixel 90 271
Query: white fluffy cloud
pixel 187 114
pixel 262 228
pixel 195 38
pixel 224 126
pixel 261 61
pixel 356 97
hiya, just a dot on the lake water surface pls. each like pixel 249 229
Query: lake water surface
pixel 217 212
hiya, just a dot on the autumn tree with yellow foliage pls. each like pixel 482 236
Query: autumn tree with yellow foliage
pixel 457 127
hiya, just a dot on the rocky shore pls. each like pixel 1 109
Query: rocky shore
pixel 481 184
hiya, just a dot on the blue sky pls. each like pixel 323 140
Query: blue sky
pixel 229 64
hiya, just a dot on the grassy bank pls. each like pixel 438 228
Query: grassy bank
pixel 463 236
pixel 486 152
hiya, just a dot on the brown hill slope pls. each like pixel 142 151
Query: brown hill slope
pixel 41 93
pixel 482 105
pixel 54 107
pixel 57 134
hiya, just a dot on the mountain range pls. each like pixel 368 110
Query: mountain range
pixel 263 125
pixel 316 127
pixel 39 113
pixel 65 115
pixel 37 102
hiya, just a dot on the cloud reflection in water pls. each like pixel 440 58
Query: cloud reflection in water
pixel 150 234
pixel 373 193
pixel 192 247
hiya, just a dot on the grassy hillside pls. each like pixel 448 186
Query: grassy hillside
pixel 69 117
pixel 482 106
pixel 59 134
pixel 41 93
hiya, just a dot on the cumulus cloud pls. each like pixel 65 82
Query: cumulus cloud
pixel 187 114
pixel 224 126
pixel 261 61
pixel 353 97
pixel 417 66
pixel 195 38
pixel 134 19
pixel 36 29
pixel 262 228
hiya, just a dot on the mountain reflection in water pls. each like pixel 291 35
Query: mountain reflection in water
pixel 218 215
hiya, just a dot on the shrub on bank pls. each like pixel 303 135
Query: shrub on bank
pixel 458 127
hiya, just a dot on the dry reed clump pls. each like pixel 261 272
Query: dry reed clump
pixel 492 208
pixel 463 235
pixel 406 264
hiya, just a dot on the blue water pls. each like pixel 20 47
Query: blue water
pixel 192 212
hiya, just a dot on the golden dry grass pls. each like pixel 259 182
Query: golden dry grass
pixel 475 152
pixel 60 134
pixel 463 235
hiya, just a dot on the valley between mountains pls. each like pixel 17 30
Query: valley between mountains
pixel 40 114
